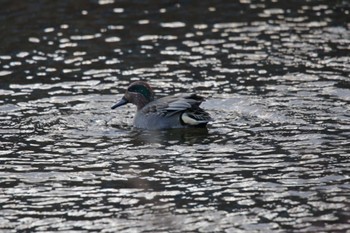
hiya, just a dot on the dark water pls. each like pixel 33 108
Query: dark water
pixel 276 76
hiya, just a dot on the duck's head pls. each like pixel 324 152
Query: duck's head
pixel 138 93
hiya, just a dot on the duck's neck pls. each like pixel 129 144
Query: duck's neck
pixel 141 102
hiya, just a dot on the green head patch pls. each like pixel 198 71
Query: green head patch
pixel 143 90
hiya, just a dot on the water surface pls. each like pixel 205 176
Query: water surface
pixel 276 78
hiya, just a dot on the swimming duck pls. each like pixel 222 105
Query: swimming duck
pixel 174 111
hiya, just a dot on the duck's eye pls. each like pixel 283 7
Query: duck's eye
pixel 140 89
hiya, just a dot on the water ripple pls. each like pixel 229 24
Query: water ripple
pixel 274 159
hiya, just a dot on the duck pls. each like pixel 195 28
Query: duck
pixel 175 111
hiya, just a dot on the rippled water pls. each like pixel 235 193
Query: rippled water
pixel 276 77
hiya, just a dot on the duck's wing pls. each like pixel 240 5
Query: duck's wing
pixel 184 105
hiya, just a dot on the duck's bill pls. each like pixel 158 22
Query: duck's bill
pixel 122 102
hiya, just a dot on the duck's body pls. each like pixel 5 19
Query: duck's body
pixel 176 111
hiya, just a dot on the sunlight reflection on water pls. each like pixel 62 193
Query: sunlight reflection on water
pixel 274 159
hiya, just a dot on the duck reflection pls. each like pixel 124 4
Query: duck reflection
pixel 171 136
